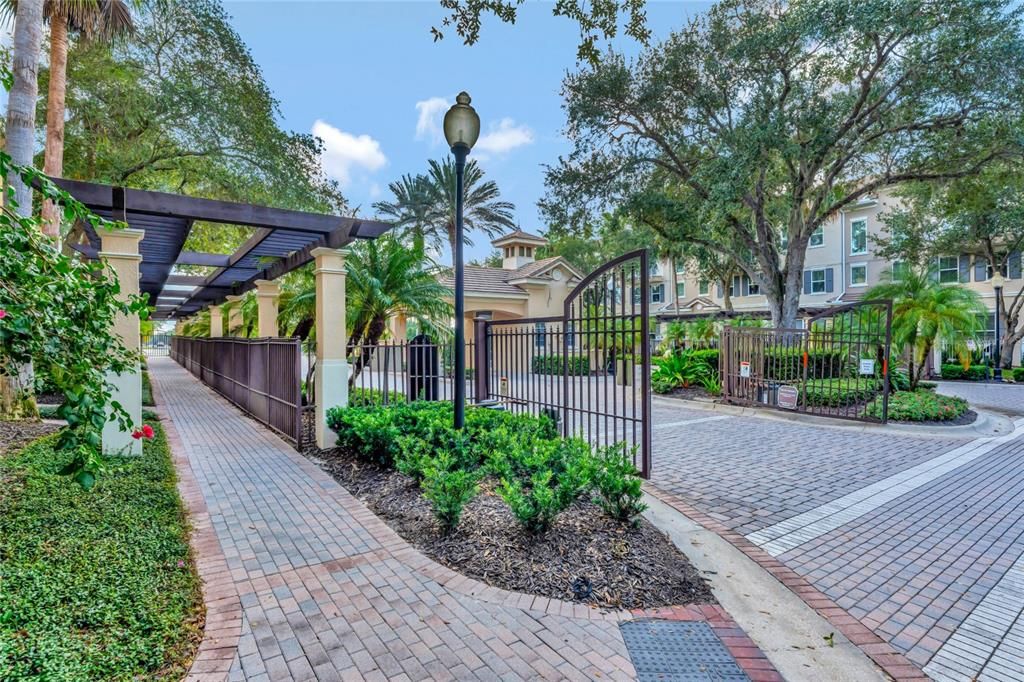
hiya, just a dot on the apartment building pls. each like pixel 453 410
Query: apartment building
pixel 841 264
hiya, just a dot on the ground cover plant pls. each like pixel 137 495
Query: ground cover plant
pixel 969 373
pixel 922 405
pixel 510 502
pixel 96 585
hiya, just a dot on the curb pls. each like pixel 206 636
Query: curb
pixel 883 654
pixel 987 423
pixel 223 627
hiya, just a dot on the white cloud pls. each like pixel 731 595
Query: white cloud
pixel 375 191
pixel 345 152
pixel 429 124
pixel 504 137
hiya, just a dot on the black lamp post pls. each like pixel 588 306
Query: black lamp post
pixel 461 130
pixel 997 285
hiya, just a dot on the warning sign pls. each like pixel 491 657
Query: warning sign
pixel 867 366
pixel 744 369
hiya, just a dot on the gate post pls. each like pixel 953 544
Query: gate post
pixel 481 365
pixel 331 361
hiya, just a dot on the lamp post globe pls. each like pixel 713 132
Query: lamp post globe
pixel 997 286
pixel 461 130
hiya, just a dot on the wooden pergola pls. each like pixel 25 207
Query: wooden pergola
pixel 282 237
pixel 144 257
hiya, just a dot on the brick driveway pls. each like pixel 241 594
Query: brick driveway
pixel 302 582
pixel 920 538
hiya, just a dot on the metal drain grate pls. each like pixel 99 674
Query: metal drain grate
pixel 679 651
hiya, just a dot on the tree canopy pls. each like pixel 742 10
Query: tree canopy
pixel 761 119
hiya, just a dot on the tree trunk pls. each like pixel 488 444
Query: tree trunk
pixel 21 102
pixel 53 163
pixel 726 297
pixel 16 399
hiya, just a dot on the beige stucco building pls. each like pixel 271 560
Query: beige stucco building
pixel 841 264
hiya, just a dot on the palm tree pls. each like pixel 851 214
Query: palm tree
pixel 925 311
pixel 483 209
pixel 384 279
pixel 414 211
pixel 21 101
pixel 91 19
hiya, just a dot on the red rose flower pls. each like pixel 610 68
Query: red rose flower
pixel 147 431
pixel 137 434
pixel 3 313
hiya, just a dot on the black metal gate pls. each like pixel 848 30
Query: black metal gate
pixel 588 368
pixel 837 366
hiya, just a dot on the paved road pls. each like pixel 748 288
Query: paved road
pixel 921 538
pixel 1006 398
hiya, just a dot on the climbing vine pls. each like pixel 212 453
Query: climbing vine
pixel 57 313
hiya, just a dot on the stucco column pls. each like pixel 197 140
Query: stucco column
pixel 234 316
pixel 216 321
pixel 267 293
pixel 331 362
pixel 120 250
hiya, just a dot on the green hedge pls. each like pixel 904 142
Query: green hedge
pixel 96 585
pixel 1017 373
pixel 972 373
pixel 579 365
pixel 708 356
pixel 920 405
pixel 362 397
pixel 839 392
pixel 786 364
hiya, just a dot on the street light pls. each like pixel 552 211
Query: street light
pixel 997 284
pixel 461 130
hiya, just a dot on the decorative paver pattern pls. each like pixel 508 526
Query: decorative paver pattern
pixel 316 587
pixel 918 540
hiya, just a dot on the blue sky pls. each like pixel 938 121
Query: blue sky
pixel 368 78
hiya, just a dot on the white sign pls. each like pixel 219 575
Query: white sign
pixel 745 369
pixel 867 366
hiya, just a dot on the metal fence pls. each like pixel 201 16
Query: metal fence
pixel 156 344
pixel 589 368
pixel 419 369
pixel 262 377
pixel 838 366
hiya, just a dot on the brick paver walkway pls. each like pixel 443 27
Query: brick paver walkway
pixel 920 539
pixel 303 582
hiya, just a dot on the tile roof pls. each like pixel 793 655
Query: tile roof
pixel 518 234
pixel 496 280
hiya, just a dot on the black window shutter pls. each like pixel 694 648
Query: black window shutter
pixel 1013 268
pixel 980 269
pixel 828 280
pixel 807 281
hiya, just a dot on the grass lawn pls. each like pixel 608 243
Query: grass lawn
pixel 95 585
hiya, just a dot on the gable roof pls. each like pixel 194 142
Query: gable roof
pixel 483 280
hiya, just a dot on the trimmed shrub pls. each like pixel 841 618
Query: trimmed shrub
pixel 680 369
pixel 448 488
pixel 579 365
pixel 545 479
pixel 1017 373
pixel 618 484
pixel 920 405
pixel 972 373
pixel 361 397
pixel 839 392
pixel 708 356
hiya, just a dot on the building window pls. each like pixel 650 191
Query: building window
pixel 704 287
pixel 784 240
pixel 657 293
pixel 949 269
pixel 859 237
pixel 529 252
pixel 654 269
pixel 680 267
pixel 817 281
pixel 680 289
pixel 753 289
pixel 538 335
pixel 818 236
pixel 858 275
pixel 522 250
pixel 899 269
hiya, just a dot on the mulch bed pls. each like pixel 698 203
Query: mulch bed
pixel 15 434
pixel 585 556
